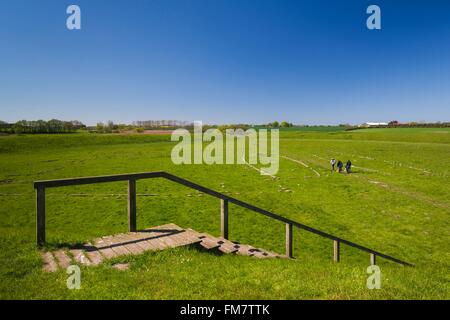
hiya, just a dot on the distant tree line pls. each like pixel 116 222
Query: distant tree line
pixel 162 124
pixel 139 126
pixel 412 124
pixel 111 127
pixel 276 124
pixel 41 126
pixel 224 127
pixel 419 124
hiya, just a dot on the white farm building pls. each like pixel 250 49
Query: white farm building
pixel 373 124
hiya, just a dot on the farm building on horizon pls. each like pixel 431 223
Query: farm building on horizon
pixel 373 124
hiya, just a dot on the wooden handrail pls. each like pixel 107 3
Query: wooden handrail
pixel 40 187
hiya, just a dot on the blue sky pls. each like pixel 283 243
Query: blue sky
pixel 307 62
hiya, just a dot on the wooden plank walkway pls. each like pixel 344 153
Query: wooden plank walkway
pixel 152 239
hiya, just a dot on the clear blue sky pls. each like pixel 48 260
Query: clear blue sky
pixel 225 61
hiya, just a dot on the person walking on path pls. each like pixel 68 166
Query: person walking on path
pixel 339 166
pixel 348 166
pixel 333 164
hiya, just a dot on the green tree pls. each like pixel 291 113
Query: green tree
pixel 100 127
pixel 20 126
pixel 286 124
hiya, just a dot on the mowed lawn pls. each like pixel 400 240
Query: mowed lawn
pixel 397 201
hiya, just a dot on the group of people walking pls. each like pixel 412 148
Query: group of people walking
pixel 340 165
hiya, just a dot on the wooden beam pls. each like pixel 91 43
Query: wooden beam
pixel 40 216
pixel 272 215
pixel 288 240
pixel 373 259
pixel 224 218
pixel 189 184
pixel 336 251
pixel 96 179
pixel 132 205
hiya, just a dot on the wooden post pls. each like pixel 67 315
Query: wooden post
pixel 40 216
pixel 132 205
pixel 224 218
pixel 373 259
pixel 336 251
pixel 289 240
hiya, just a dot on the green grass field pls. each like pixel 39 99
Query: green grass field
pixel 397 201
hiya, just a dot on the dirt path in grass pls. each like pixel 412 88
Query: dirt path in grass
pixel 393 163
pixel 302 163
pixel 408 193
pixel 261 171
pixel 362 168
pixel 411 194
pixel 398 164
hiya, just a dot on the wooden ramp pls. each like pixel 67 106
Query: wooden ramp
pixel 152 239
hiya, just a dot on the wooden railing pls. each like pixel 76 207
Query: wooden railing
pixel 40 187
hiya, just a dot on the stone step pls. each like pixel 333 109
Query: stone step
pixel 64 261
pixel 103 248
pixel 49 262
pixel 134 243
pixel 93 254
pixel 246 250
pixel 221 244
pixel 79 256
pixel 208 243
